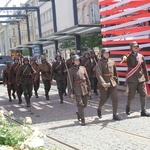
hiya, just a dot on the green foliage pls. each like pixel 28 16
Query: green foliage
pixel 67 44
pixel 91 41
pixel 12 134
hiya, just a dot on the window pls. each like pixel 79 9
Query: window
pixel 94 13
pixel 85 15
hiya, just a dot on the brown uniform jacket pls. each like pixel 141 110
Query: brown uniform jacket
pixel 86 63
pixel 45 69
pixel 13 72
pixel 58 69
pixel 108 72
pixel 24 74
pixel 6 75
pixel 141 74
pixel 69 63
pixel 78 81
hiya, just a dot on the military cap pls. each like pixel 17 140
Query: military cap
pixel 75 57
pixel 25 59
pixel 134 43
pixel 43 58
pixel 8 62
pixel 85 52
pixel 72 53
pixel 32 59
pixel 57 55
pixel 16 58
pixel 104 50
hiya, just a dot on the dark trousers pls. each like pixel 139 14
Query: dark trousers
pixel 81 104
pixel 47 86
pixel 18 89
pixel 9 89
pixel 104 95
pixel 140 88
pixel 95 84
pixel 36 86
pixel 27 90
pixel 61 86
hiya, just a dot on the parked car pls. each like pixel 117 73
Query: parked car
pixel 3 60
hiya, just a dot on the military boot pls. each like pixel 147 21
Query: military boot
pixel 99 114
pixel 9 97
pixel 116 117
pixel 83 122
pixel 78 116
pixel 13 94
pixel 36 95
pixel 127 110
pixel 144 113
pixel 47 96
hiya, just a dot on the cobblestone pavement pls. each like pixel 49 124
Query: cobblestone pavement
pixel 59 124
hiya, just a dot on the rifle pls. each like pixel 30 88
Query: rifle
pixel 68 75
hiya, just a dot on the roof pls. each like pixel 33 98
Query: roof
pixel 67 34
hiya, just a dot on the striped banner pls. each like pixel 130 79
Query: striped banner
pixel 122 22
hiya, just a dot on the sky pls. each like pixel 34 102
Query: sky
pixel 10 4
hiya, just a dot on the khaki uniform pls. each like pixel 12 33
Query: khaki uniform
pixel 86 62
pixel 79 85
pixel 58 73
pixel 36 84
pixel 69 63
pixel 107 75
pixel 6 81
pixel 45 69
pixel 136 81
pixel 24 78
pixel 13 80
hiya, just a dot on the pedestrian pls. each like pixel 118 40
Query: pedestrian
pixel 45 69
pixel 36 84
pixel 59 74
pixel 79 87
pixel 136 77
pixel 13 80
pixel 24 78
pixel 6 81
pixel 107 76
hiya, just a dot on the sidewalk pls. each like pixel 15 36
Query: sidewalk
pixel 59 122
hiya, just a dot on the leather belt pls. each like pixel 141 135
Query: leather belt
pixel 79 81
pixel 107 74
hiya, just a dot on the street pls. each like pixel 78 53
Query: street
pixel 58 122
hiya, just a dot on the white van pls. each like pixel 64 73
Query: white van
pixel 3 60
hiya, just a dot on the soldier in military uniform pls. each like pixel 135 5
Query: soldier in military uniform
pixel 79 86
pixel 106 74
pixel 36 84
pixel 69 61
pixel 86 62
pixel 136 77
pixel 6 80
pixel 13 80
pixel 45 69
pixel 24 77
pixel 94 81
pixel 58 73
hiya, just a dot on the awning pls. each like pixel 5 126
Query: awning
pixel 67 34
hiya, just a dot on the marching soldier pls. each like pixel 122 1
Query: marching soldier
pixel 6 80
pixel 69 61
pixel 45 69
pixel 79 86
pixel 13 80
pixel 86 62
pixel 94 60
pixel 58 73
pixel 24 78
pixel 106 74
pixel 36 84
pixel 136 77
